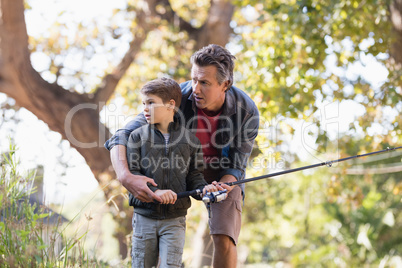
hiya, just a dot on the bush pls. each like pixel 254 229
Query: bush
pixel 26 237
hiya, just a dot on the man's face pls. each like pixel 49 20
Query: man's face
pixel 208 94
pixel 155 111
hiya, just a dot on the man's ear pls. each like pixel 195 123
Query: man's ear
pixel 227 85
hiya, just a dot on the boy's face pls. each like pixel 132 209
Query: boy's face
pixel 207 92
pixel 155 111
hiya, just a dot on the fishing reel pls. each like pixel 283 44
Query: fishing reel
pixel 213 197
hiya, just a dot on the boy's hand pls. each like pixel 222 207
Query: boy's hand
pixel 167 196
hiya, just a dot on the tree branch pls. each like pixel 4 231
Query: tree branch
pixel 110 81
pixel 215 30
pixel 16 64
pixel 171 16
pixel 49 102
pixel 146 23
pixel 6 87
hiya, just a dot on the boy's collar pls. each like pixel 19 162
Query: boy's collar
pixel 172 125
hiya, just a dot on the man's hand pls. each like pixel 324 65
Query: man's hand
pixel 221 184
pixel 210 188
pixel 135 184
pixel 167 196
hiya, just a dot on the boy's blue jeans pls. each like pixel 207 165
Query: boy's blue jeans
pixel 157 238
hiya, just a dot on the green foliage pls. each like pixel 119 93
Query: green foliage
pixel 296 55
pixel 27 235
pixel 327 217
pixel 293 57
pixel 21 243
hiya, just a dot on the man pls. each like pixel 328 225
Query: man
pixel 225 120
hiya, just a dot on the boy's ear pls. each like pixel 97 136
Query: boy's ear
pixel 172 104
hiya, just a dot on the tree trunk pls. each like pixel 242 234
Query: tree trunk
pixel 216 29
pixel 202 245
pixel 396 20
pixel 75 116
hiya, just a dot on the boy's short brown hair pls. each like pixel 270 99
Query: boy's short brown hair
pixel 165 88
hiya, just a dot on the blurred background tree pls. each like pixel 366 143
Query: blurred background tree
pixel 303 62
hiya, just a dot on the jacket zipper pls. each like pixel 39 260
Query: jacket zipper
pixel 166 173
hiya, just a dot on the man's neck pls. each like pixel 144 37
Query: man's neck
pixel 216 108
pixel 211 113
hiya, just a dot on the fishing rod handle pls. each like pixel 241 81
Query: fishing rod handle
pixel 188 193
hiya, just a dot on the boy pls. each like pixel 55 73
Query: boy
pixel 172 156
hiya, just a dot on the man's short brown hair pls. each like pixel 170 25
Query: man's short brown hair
pixel 165 88
pixel 219 57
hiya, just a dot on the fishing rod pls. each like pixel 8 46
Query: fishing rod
pixel 221 195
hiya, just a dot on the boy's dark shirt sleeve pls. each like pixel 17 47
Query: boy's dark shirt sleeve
pixel 121 136
pixel 134 156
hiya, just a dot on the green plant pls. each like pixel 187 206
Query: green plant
pixel 27 239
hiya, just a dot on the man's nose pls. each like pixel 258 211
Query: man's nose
pixel 196 87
